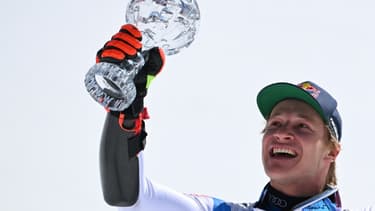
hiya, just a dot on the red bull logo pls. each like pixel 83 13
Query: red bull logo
pixel 310 89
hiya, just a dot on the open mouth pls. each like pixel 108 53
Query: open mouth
pixel 282 153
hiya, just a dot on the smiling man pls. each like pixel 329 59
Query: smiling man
pixel 301 140
pixel 300 144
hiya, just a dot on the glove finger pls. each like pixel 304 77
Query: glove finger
pixel 128 39
pixel 132 30
pixel 126 49
pixel 110 55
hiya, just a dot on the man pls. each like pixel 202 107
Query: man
pixel 299 148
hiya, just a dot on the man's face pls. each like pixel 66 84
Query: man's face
pixel 294 148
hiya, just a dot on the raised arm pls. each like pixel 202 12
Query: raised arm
pixel 121 158
pixel 119 165
pixel 124 134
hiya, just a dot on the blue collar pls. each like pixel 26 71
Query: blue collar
pixel 328 200
pixel 273 200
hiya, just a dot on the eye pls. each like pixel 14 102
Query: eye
pixel 273 124
pixel 303 126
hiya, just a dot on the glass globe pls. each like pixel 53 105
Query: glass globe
pixel 169 24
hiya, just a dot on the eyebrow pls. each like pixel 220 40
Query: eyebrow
pixel 300 115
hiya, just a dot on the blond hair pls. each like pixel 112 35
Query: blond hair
pixel 333 143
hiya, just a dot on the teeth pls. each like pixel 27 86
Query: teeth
pixel 283 151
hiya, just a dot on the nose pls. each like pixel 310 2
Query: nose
pixel 283 134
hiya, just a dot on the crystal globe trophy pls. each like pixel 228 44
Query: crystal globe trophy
pixel 169 24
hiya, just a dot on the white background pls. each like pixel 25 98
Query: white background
pixel 204 131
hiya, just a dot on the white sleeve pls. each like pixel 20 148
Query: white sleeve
pixel 154 196
pixel 370 208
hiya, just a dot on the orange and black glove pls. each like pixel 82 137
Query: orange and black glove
pixel 125 45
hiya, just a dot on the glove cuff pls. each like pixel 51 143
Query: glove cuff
pixel 129 124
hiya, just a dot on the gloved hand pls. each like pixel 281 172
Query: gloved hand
pixel 125 45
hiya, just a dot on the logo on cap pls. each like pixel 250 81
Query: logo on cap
pixel 310 89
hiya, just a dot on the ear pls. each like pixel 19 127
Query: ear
pixel 333 152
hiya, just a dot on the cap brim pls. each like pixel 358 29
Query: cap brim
pixel 269 96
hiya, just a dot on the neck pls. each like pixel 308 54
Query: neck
pixel 273 199
pixel 295 188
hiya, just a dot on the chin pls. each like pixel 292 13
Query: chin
pixel 278 174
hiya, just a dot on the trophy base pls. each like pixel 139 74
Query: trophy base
pixel 110 86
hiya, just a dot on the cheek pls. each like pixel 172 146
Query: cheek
pixel 315 153
pixel 265 143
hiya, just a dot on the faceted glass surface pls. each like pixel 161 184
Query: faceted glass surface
pixel 169 24
pixel 111 85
